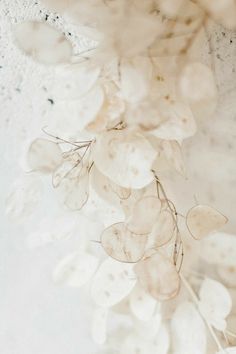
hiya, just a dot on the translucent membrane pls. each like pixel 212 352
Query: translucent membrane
pixel 123 245
pixel 162 231
pixel 188 330
pixel 142 304
pixel 112 282
pixel 215 303
pixel 158 276
pixel 107 189
pixel 75 269
pixel 43 43
pixel 125 157
pixel 219 248
pixel 74 189
pixel 179 122
pixel 144 214
pixel 44 155
pixel 99 325
pixel 202 220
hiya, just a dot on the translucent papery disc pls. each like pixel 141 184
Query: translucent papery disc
pixel 158 276
pixel 125 157
pixel 215 303
pixel 223 11
pixel 178 121
pixel 63 171
pixel 173 152
pixel 142 304
pixel 219 248
pixel 44 155
pixel 148 329
pixel 123 245
pixel 99 325
pixel 201 220
pixel 75 269
pixel 178 9
pixel 136 194
pixel 107 189
pixel 112 282
pixel 197 83
pixel 43 43
pixel 73 81
pixel 135 79
pixel 144 215
pixel 162 231
pixel 188 330
pixel 134 343
pixel 74 188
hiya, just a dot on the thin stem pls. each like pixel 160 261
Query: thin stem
pixel 196 301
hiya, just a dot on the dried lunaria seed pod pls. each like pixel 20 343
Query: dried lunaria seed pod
pixel 173 153
pixel 43 43
pixel 142 304
pixel 201 220
pixel 134 342
pixel 75 80
pixel 222 11
pixel 162 231
pixel 44 155
pixel 188 330
pixel 219 248
pixel 123 245
pixel 76 269
pixel 124 157
pixel 215 303
pixel 63 171
pixel 179 122
pixel 107 189
pixel 74 189
pixel 99 325
pixel 112 282
pixel 158 276
pixel 197 83
pixel 135 79
pixel 144 215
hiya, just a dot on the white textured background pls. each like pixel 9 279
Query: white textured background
pixel 37 317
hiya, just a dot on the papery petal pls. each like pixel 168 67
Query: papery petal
pixel 219 248
pixel 73 81
pixel 44 155
pixel 123 245
pixel 201 220
pixel 43 43
pixel 158 276
pixel 144 215
pixel 76 269
pixel 125 157
pixel 99 325
pixel 179 122
pixel 197 83
pixel 112 282
pixel 215 303
pixel 142 304
pixel 188 330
